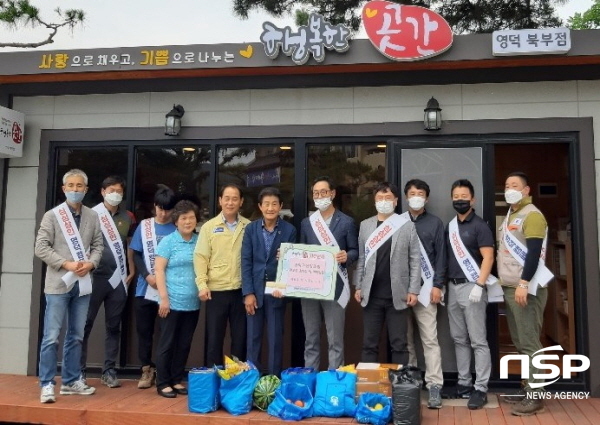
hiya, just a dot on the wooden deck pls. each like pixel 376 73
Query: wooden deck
pixel 19 403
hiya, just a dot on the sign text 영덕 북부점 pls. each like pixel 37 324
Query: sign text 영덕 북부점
pixel 531 42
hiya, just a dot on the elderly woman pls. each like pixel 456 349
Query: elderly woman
pixel 179 305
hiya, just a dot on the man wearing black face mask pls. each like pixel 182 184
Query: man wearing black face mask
pixel 470 250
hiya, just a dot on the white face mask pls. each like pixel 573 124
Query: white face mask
pixel 113 198
pixel 322 203
pixel 384 207
pixel 512 196
pixel 416 203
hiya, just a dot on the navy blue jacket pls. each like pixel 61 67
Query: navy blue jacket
pixel 344 230
pixel 257 267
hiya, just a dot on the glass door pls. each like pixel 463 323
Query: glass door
pixel 440 167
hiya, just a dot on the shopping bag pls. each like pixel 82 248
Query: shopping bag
pixel 292 402
pixel 203 390
pixel 300 375
pixel 334 395
pixel 373 409
pixel 236 392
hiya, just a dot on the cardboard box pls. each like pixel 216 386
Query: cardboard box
pixel 384 388
pixel 374 372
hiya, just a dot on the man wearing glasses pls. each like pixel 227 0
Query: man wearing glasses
pixel 328 226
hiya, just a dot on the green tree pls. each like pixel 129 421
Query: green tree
pixel 590 19
pixel 464 16
pixel 484 16
pixel 22 13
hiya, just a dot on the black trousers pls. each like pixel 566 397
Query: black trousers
pixel 377 312
pixel 174 344
pixel 146 312
pixel 225 306
pixel 114 300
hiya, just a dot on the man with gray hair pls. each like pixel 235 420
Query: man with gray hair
pixel 69 241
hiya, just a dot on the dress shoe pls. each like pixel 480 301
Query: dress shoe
pixel 180 390
pixel 166 394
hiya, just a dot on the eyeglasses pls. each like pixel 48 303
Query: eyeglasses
pixel 321 193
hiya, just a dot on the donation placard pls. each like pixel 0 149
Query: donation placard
pixel 305 271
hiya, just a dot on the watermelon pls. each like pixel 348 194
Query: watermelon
pixel 264 392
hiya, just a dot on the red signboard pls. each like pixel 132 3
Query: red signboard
pixel 406 33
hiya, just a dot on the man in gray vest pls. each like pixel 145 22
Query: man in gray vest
pixel 526 226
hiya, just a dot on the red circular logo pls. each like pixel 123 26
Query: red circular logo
pixel 17 133
pixel 405 33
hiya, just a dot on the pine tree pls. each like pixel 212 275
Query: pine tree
pixel 21 13
pixel 464 16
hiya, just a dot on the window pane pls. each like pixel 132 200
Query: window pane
pixel 97 163
pixel 355 169
pixel 185 170
pixel 254 168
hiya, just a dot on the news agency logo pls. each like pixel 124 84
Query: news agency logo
pixel 571 363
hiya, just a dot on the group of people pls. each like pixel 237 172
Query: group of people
pixel 406 264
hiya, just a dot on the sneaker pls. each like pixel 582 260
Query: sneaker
pixel 47 394
pixel 77 387
pixel 527 407
pixel 109 378
pixel 435 397
pixel 477 400
pixel 83 377
pixel 148 377
pixel 463 391
pixel 515 397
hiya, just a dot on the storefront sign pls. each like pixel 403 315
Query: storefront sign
pixel 406 33
pixel 263 178
pixel 308 40
pixel 12 125
pixel 550 41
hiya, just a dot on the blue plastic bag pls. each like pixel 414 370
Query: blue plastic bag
pixel 366 415
pixel 203 390
pixel 236 393
pixel 283 409
pixel 300 375
pixel 335 393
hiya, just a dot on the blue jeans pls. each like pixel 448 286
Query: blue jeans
pixel 74 308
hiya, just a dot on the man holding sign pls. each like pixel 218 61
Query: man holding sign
pixel 69 241
pixel 523 276
pixel 388 275
pixel 470 259
pixel 330 227
pixel 144 244
pixel 260 246
pixel 430 230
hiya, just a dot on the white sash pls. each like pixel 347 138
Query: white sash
pixel 149 249
pixel 383 232
pixel 469 266
pixel 426 272
pixel 111 233
pixel 75 244
pixel 518 251
pixel 326 238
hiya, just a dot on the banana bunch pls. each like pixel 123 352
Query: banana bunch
pixel 232 366
pixel 348 368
